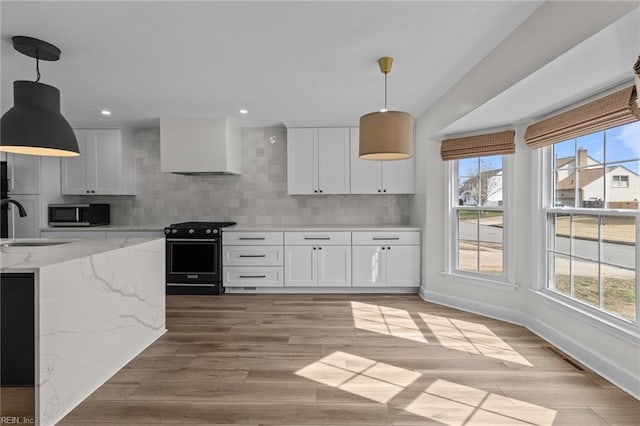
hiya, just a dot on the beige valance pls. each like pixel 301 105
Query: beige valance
pixel 609 111
pixel 479 146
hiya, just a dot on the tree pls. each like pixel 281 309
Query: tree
pixel 483 185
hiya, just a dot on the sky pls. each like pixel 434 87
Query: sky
pixel 617 145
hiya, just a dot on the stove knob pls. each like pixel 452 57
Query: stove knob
pixel 207 231
pixel 191 231
pixel 167 231
pixel 215 231
pixel 174 231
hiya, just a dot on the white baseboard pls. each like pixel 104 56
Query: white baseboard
pixel 596 362
pixel 497 312
pixel 321 290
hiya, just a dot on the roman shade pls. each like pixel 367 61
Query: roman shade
pixel 479 146
pixel 612 110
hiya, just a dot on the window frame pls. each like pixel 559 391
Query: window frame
pixel 506 281
pixel 543 199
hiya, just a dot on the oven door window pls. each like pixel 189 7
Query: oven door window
pixel 193 257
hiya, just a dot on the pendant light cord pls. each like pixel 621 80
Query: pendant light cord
pixel 37 67
pixel 385 90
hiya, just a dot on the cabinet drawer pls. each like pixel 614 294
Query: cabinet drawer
pixel 237 238
pixel 317 238
pixel 252 255
pixel 386 238
pixel 256 276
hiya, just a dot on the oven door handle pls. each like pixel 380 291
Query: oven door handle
pixel 192 240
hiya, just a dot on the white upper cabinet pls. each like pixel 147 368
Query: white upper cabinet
pixel 318 161
pixel 302 161
pixel 23 172
pixel 384 177
pixel 333 160
pixel 99 170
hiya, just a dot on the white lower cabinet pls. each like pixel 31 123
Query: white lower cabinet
pixel 252 259
pixel 367 266
pixel 317 259
pixel 321 259
pixel 386 259
pixel 301 267
pixel 334 266
pixel 317 266
pixel 252 276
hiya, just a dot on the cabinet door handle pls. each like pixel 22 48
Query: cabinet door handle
pixel 253 276
pixel 317 238
pixel 251 238
pixel 252 255
pixel 385 238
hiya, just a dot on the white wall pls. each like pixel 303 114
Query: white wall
pixel 601 347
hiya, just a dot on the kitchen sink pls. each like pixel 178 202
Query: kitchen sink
pixel 33 243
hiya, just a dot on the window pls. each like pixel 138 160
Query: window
pixel 478 216
pixel 620 182
pixel 592 220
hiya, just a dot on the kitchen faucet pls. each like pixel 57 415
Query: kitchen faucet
pixel 21 211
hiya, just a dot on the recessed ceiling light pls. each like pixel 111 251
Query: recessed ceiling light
pixel 244 111
pixel 105 112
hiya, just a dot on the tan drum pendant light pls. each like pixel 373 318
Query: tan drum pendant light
pixel 386 135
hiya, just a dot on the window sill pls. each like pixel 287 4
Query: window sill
pixel 481 282
pixel 624 329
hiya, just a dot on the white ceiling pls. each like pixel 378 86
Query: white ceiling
pixel 600 62
pixel 283 61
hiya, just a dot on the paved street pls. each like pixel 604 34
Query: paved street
pixel 619 254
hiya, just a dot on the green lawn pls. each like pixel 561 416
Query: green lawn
pixel 619 294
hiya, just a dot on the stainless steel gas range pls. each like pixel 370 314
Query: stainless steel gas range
pixel 194 257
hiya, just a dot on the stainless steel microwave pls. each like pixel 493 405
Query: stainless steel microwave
pixel 79 214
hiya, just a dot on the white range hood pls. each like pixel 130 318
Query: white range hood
pixel 199 146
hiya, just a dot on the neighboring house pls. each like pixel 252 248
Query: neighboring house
pixel 485 189
pixel 621 183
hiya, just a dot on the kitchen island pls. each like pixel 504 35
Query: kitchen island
pixel 96 304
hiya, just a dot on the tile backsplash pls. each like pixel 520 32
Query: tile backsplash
pixel 257 196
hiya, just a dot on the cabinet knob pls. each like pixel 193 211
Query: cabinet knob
pixel 378 190
pixel 319 248
pixel 383 248
pixel 321 190
pixel 314 248
pixel 93 192
pixel 87 191
pixel 388 248
pixel 384 190
pixel 315 190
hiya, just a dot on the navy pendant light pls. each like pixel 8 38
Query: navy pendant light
pixel 34 126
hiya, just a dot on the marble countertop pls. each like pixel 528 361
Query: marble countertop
pixel 106 228
pixel 28 259
pixel 317 228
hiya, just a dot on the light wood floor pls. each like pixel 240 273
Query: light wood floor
pixel 345 360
